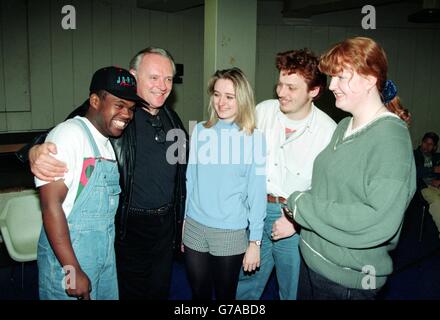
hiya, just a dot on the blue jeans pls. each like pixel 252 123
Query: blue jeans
pixel 283 254
pixel 313 286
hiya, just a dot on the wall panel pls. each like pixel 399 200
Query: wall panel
pixel 319 40
pixel 18 121
pixel 419 104
pixel 192 108
pixel 285 38
pixel 433 110
pixel 82 51
pixel 140 30
pixel 101 34
pixel 121 35
pixel 62 65
pixel 2 80
pixel 3 127
pixel 15 55
pixel 158 23
pixel 40 65
pixel 45 71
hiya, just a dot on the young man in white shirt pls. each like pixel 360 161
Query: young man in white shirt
pixel 76 255
pixel 296 132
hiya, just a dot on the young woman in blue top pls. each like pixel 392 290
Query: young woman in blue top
pixel 226 190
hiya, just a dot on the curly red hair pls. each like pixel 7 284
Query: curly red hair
pixel 304 63
pixel 366 57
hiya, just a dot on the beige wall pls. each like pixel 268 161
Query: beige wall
pixel 45 71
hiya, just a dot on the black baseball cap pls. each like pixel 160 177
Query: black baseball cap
pixel 117 81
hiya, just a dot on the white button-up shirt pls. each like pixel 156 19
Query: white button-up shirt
pixel 290 162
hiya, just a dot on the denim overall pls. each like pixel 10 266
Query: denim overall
pixel 92 233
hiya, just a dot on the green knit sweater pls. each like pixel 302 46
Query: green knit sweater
pixel 352 216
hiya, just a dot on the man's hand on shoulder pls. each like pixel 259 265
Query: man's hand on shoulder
pixel 43 165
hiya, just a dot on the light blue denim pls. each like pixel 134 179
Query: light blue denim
pixel 283 254
pixel 92 233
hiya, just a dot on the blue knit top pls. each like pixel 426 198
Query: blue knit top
pixel 226 182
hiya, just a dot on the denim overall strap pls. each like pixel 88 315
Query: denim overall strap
pixel 92 233
pixel 96 152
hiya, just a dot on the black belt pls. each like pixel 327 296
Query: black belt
pixel 164 209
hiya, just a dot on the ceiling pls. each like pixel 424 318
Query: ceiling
pixel 306 9
pixel 169 5
pixel 302 9
pixel 291 8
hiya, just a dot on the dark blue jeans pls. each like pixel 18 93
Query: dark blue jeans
pixel 313 286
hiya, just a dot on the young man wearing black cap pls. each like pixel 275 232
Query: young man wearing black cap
pixel 76 256
pixel 152 203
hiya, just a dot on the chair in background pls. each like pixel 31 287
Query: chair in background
pixel 20 225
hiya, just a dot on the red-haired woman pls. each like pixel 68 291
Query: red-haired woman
pixel 362 181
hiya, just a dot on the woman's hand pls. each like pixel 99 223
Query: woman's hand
pixel 282 228
pixel 251 260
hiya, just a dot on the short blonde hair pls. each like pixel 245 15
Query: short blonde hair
pixel 244 95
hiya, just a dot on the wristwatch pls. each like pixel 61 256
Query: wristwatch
pixel 257 242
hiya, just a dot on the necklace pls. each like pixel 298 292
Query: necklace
pixel 376 115
pixel 379 111
pixel 350 131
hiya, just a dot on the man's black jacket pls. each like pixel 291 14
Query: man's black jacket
pixel 125 150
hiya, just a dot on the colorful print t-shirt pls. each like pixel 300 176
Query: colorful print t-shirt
pixel 75 150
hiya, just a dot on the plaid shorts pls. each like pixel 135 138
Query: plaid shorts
pixel 218 242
